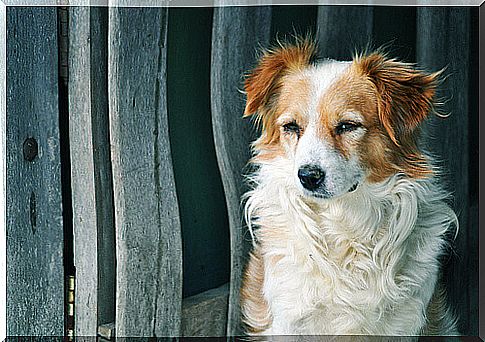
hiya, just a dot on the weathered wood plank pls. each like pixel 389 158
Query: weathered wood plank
pixel 149 260
pixel 35 295
pixel 342 30
pixel 237 33
pixel 205 314
pixel 443 41
pixel 3 170
pixel 94 247
pixel 82 174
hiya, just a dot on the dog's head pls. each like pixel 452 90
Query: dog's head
pixel 339 123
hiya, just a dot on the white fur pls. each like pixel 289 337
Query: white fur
pixel 323 76
pixel 361 263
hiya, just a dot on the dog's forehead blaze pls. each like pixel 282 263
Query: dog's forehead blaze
pixel 350 92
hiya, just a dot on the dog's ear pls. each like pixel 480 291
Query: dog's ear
pixel 405 94
pixel 264 81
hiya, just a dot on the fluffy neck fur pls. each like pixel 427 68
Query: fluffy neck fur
pixel 371 250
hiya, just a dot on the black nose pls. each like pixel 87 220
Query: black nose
pixel 311 176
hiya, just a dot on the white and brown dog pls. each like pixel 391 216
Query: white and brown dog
pixel 347 218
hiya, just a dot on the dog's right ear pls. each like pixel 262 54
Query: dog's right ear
pixel 264 81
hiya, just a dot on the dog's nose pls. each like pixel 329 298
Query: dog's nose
pixel 311 176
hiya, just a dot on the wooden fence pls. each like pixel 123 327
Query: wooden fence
pixel 98 190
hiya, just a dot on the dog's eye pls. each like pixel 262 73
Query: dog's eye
pixel 291 127
pixel 346 126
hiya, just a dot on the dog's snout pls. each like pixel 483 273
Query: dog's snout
pixel 311 176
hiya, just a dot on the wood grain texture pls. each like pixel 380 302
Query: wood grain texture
pixel 35 295
pixel 237 33
pixel 443 41
pixel 342 30
pixel 148 235
pixel 82 174
pixel 205 314
pixel 94 251
pixel 3 171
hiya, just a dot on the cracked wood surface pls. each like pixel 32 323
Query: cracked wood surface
pixel 148 235
pixel 237 33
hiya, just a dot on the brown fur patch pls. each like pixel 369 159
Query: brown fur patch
pixel 350 93
pixel 405 94
pixel 404 97
pixel 264 84
pixel 255 310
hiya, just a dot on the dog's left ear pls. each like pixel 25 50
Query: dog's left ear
pixel 264 81
pixel 405 94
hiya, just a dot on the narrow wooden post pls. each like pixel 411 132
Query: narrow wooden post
pixel 82 174
pixel 92 193
pixel 443 41
pixel 35 274
pixel 3 170
pixel 148 235
pixel 237 33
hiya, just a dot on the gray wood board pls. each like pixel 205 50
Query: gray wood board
pixel 205 314
pixel 443 41
pixel 238 33
pixel 342 30
pixel 35 288
pixel 87 196
pixel 148 235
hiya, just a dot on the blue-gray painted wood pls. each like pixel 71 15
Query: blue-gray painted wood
pixel 3 170
pixel 444 41
pixel 35 272
pixel 148 235
pixel 238 33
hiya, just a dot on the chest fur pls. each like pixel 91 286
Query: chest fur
pixel 320 278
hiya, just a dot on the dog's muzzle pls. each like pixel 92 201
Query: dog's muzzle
pixel 311 176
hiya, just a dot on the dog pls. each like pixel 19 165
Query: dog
pixel 346 212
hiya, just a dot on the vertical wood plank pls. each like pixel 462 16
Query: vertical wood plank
pixel 82 174
pixel 94 247
pixel 148 239
pixel 443 41
pixel 3 170
pixel 237 33
pixel 35 295
pixel 342 30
